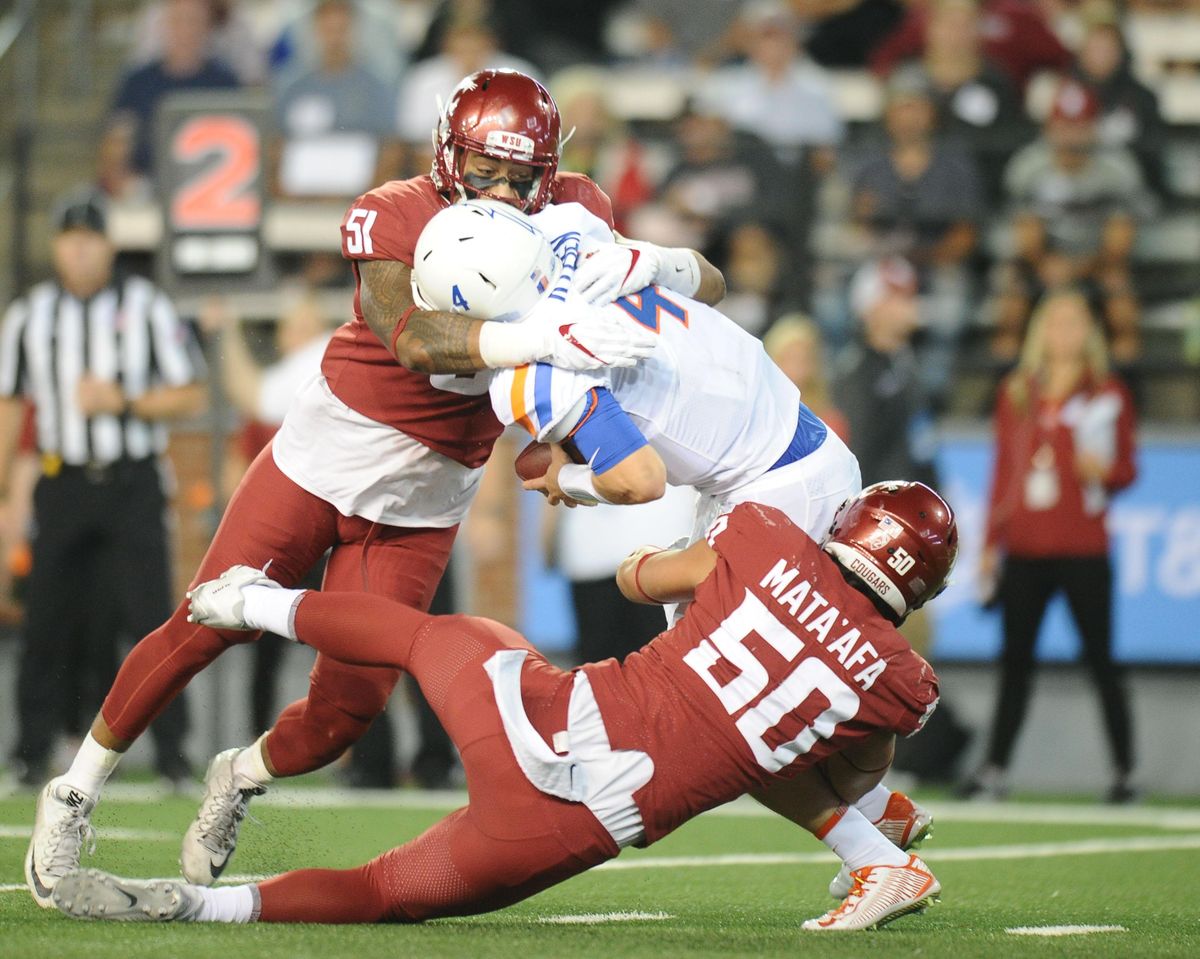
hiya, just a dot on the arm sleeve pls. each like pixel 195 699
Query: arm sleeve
pixel 604 434
pixel 12 349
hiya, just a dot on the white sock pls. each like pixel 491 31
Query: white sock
pixel 857 843
pixel 249 763
pixel 228 904
pixel 873 804
pixel 272 609
pixel 92 766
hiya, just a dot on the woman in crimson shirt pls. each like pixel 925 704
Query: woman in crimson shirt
pixel 1064 444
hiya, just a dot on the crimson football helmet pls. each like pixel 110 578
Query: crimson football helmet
pixel 505 115
pixel 900 539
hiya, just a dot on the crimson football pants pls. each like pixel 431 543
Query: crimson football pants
pixel 270 518
pixel 511 841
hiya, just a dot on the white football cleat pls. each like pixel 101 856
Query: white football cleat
pixel 905 823
pixel 220 603
pixel 61 828
pixel 212 837
pixel 92 894
pixel 879 895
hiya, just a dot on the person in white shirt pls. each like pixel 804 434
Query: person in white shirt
pixel 778 93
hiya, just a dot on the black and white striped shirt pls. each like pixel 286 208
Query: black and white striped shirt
pixel 128 333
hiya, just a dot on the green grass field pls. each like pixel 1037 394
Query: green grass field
pixel 732 883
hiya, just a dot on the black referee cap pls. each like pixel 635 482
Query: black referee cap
pixel 81 212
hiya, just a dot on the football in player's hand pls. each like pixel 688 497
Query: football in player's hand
pixel 533 461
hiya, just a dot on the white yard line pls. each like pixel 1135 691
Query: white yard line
pixel 1046 850
pixel 949 810
pixel 1081 847
pixel 1061 930
pixel 594 918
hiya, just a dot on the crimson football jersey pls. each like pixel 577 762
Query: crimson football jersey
pixel 383 224
pixel 777 663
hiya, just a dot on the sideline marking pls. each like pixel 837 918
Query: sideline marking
pixel 593 918
pixel 1061 930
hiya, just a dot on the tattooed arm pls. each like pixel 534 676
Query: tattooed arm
pixel 430 342
pixel 437 342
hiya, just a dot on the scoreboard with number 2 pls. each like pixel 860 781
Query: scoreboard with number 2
pixel 211 174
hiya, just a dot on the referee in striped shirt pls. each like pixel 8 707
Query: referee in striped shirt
pixel 105 362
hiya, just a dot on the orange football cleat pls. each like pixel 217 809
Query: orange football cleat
pixel 904 823
pixel 879 895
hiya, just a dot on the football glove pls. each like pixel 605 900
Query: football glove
pixel 614 270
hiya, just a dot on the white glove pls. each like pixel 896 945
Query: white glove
pixel 583 337
pixel 221 603
pixel 617 269
pixel 572 335
pixel 593 339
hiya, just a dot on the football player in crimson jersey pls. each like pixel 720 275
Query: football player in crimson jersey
pixel 786 678
pixel 376 461
pixel 709 409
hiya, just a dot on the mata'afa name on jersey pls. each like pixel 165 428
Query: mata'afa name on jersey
pixel 813 611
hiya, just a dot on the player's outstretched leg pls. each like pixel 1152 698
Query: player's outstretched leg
pixel 92 894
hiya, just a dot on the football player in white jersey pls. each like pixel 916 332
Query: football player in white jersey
pixel 708 408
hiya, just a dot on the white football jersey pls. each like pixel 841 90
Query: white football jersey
pixel 708 399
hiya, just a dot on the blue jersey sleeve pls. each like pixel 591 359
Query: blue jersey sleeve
pixel 605 434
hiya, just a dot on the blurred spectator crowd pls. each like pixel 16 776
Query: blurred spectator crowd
pixel 1002 148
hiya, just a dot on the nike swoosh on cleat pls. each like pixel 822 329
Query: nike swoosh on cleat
pixel 37 883
pixel 128 895
pixel 216 868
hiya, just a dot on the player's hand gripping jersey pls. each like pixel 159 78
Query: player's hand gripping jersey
pixel 711 402
pixel 778 663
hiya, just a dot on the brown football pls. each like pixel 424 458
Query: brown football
pixel 533 461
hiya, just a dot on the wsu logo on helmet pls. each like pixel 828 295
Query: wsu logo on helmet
pixel 516 146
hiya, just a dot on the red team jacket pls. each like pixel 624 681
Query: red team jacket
pixel 1067 528
pixel 777 663
pixel 383 224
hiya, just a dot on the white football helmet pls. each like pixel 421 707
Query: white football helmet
pixel 483 258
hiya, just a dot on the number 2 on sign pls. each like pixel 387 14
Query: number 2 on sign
pixel 728 642
pixel 358 231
